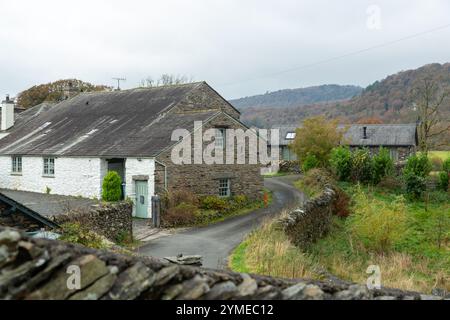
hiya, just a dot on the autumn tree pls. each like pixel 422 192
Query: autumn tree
pixel 55 91
pixel 370 120
pixel 430 100
pixel 317 137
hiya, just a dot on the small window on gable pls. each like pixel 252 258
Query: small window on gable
pixel 16 164
pixel 224 187
pixel 49 167
pixel 290 136
pixel 220 137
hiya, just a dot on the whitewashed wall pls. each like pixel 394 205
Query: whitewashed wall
pixel 135 167
pixel 73 176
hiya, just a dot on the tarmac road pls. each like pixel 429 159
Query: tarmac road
pixel 215 242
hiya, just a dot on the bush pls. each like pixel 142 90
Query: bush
pixel 418 165
pixel 173 198
pixel 181 215
pixel 213 203
pixel 112 187
pixel 416 171
pixel 362 168
pixel 443 181
pixel 341 203
pixel 446 165
pixel 415 185
pixel 76 233
pixel 309 162
pixel 240 200
pixel 375 223
pixel 382 165
pixel 436 164
pixel 341 162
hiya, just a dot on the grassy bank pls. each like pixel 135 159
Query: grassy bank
pixel 416 257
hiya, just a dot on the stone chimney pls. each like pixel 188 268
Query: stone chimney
pixel 7 114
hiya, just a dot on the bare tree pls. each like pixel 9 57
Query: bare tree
pixel 430 100
pixel 165 80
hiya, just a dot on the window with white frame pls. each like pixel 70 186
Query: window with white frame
pixel 16 164
pixel 49 166
pixel 224 187
pixel 290 136
pixel 220 138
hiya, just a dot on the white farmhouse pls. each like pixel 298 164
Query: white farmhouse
pixel 67 148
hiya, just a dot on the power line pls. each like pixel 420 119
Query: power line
pixel 337 57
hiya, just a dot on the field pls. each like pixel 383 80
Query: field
pixel 413 253
pixel 443 155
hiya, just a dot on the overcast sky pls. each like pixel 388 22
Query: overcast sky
pixel 240 47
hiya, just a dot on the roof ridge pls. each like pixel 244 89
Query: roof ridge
pixel 143 88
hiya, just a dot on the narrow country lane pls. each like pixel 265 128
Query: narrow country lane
pixel 215 242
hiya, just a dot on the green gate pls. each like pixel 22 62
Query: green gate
pixel 141 199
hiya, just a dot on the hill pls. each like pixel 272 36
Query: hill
pixel 389 99
pixel 298 97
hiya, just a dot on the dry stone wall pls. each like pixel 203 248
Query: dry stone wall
pixel 111 220
pixel 37 269
pixel 311 222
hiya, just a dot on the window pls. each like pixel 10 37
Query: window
pixel 49 166
pixel 290 136
pixel 224 187
pixel 220 137
pixel 17 164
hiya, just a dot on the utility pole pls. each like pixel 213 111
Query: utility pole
pixel 118 82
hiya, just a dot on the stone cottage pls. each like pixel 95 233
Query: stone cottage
pixel 400 139
pixel 67 148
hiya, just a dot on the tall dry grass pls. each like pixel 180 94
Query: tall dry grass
pixel 270 252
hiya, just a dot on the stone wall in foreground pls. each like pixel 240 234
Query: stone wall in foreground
pixel 111 220
pixel 37 269
pixel 305 225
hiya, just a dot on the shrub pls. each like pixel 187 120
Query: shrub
pixel 76 233
pixel 382 165
pixel 240 200
pixel 309 162
pixel 362 168
pixel 181 215
pixel 341 203
pixel 341 162
pixel 112 187
pixel 418 165
pixel 446 165
pixel 416 171
pixel 375 223
pixel 415 185
pixel 436 164
pixel 213 203
pixel 173 198
pixel 443 181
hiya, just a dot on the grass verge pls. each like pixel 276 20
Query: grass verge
pixel 419 261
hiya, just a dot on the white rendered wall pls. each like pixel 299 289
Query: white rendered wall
pixel 73 176
pixel 139 167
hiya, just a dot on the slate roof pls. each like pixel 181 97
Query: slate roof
pixel 381 135
pixel 135 122
pixel 377 134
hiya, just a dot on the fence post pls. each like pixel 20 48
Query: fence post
pixel 156 211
